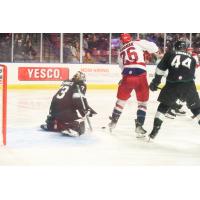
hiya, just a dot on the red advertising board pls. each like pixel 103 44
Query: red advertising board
pixel 42 74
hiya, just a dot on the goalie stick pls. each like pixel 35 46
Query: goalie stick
pixel 84 107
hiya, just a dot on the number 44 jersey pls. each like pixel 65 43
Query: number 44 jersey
pixel 131 56
pixel 181 66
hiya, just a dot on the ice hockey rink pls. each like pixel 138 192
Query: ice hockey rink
pixel 178 142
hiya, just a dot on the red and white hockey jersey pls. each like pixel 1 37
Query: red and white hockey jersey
pixel 195 56
pixel 131 56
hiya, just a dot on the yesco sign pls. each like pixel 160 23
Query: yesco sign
pixel 42 73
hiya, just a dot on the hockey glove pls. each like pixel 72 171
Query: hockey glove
pixel 153 86
pixel 155 82
pixel 91 112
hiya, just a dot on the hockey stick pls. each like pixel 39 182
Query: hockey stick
pixel 159 88
pixel 84 107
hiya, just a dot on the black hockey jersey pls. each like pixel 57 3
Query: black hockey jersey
pixel 180 65
pixel 68 97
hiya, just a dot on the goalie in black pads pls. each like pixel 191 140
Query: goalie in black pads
pixel 179 84
pixel 67 112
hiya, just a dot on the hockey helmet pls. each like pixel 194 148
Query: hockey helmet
pixel 125 38
pixel 180 45
pixel 79 77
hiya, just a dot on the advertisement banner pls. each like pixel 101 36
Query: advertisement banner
pixel 42 74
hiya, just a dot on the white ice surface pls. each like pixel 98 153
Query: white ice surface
pixel 178 142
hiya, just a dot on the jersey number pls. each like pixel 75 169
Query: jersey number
pixel 177 62
pixel 129 56
pixel 62 92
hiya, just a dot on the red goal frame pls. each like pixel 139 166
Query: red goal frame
pixel 4 102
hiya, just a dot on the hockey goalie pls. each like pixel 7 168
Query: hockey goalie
pixel 69 108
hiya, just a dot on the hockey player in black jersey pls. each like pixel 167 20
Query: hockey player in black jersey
pixel 67 112
pixel 179 84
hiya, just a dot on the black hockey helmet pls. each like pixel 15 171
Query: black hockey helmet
pixel 79 77
pixel 180 45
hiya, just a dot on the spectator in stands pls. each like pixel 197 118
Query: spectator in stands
pixel 184 37
pixel 96 47
pixel 71 54
pixel 5 47
pixel 103 46
pixel 19 51
pixel 30 52
pixel 87 58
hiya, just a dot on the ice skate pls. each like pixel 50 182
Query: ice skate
pixel 170 114
pixel 140 132
pixel 156 128
pixel 112 124
pixel 180 112
pixel 153 133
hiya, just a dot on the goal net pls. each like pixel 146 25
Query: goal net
pixel 3 103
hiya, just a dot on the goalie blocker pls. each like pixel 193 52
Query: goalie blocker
pixel 67 112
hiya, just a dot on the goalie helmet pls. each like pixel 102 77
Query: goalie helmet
pixel 180 46
pixel 79 77
pixel 125 38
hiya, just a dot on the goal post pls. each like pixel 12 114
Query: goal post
pixel 3 92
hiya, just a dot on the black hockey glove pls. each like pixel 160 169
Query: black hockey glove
pixel 153 86
pixel 155 82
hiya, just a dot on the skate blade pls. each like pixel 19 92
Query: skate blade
pixel 110 130
pixel 150 140
pixel 178 114
pixel 169 117
pixel 140 135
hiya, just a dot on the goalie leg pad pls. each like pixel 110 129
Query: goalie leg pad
pixel 75 126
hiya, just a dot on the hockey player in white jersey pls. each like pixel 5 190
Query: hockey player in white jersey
pixel 134 77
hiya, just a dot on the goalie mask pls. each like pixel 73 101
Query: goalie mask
pixel 79 77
